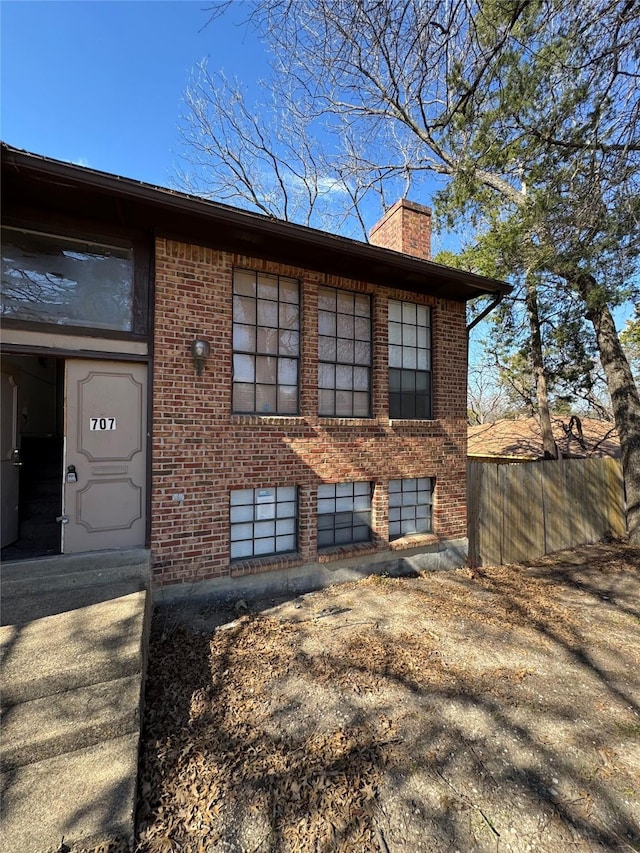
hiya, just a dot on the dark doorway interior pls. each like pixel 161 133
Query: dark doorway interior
pixel 40 426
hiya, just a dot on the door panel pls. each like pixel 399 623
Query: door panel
pixel 10 459
pixel 105 455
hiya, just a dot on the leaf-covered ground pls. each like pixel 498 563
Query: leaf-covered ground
pixel 495 709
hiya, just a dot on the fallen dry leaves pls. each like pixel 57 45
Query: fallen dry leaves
pixel 392 715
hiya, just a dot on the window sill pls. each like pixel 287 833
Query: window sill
pixel 255 565
pixel 339 552
pixel 413 540
pixel 267 420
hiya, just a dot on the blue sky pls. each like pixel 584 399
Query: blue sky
pixel 101 83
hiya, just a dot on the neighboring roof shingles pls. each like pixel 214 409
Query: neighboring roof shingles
pixel 521 439
pixel 169 212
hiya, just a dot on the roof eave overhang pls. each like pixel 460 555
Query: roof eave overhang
pixel 175 214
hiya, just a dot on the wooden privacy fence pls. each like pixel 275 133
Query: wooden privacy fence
pixel 521 511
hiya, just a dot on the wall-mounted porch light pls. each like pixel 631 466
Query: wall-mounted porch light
pixel 200 350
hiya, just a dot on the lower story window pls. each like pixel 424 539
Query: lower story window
pixel 344 513
pixel 410 503
pixel 263 521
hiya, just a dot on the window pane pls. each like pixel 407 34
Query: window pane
pixel 326 376
pixel 345 303
pixel 286 510
pixel 241 513
pixel 241 496
pixel 268 286
pixel 286 493
pixel 268 313
pixel 345 351
pixel 326 323
pixel 395 333
pixel 241 531
pixel 326 402
pixel 243 368
pixel 395 311
pixel 326 505
pixel 244 283
pixel 326 490
pixel 289 343
pixel 244 337
pixel 345 326
pixel 361 378
pixel 267 340
pixel 63 281
pixel 326 299
pixel 408 312
pixel 362 329
pixel 285 526
pixel 243 398
pixel 264 528
pixel 289 290
pixel 266 398
pixel 362 353
pixel 287 400
pixel 266 369
pixel 361 407
pixel 285 543
pixel 289 316
pixel 344 376
pixel 264 546
pixel 409 357
pixel 287 371
pixel 326 348
pixel 244 310
pixel 344 404
pixel 395 356
pixel 241 549
pixel 362 307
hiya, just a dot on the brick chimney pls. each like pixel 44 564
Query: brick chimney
pixel 405 227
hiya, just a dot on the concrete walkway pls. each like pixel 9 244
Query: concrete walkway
pixel 73 643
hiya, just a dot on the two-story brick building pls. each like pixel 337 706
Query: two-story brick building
pixel 238 394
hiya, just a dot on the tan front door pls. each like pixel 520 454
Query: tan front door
pixel 10 458
pixel 105 455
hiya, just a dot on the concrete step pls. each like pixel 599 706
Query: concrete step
pixel 17 608
pixel 43 728
pixel 86 797
pixel 92 644
pixel 47 567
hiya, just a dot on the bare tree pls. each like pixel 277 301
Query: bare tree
pixel 529 110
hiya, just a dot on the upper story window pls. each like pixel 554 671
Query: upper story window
pixel 344 353
pixel 266 343
pixel 409 360
pixel 60 280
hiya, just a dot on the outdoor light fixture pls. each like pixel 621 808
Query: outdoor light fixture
pixel 200 350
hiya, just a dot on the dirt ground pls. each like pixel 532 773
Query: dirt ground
pixel 474 710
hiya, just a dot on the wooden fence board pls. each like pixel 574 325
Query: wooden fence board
pixel 521 511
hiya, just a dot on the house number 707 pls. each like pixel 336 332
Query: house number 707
pixel 102 423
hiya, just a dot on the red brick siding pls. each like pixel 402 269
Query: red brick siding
pixel 203 451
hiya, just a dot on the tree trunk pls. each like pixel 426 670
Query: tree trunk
pixel 548 442
pixel 624 397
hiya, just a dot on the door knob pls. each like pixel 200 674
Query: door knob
pixel 15 457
